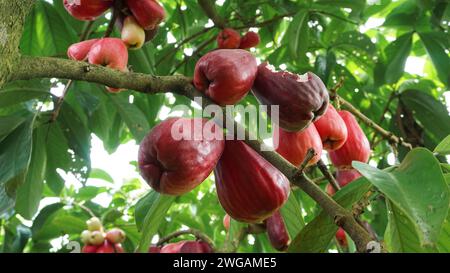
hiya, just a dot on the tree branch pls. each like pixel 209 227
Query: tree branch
pixel 328 175
pixel 209 8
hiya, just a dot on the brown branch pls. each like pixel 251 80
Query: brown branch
pixel 328 175
pixel 197 233
pixel 115 14
pixel 209 7
pixel 382 117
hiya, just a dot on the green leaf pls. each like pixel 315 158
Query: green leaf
pixel 9 124
pixel 405 15
pixel 444 237
pixel 88 193
pixel 29 194
pixel 437 46
pixel 150 212
pixel 418 188
pixel 101 174
pixel 15 95
pixel 396 54
pixel 298 34
pixel 292 216
pixel 444 147
pixel 15 240
pixel 44 216
pixel 317 234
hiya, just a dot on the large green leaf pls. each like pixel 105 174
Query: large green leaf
pixel 317 234
pixel 396 54
pixel 29 194
pixel 437 45
pixel 444 147
pixel 149 214
pixel 292 216
pixel 15 95
pixel 298 34
pixel 417 187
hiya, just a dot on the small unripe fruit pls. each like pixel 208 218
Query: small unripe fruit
pixel 115 236
pixel 341 238
pixel 85 236
pixel 94 224
pixel 228 39
pixel 250 39
pixel 97 238
pixel 133 35
pixel 226 222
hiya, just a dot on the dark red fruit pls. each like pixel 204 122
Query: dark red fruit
pixel 89 249
pixel 332 129
pixel 225 75
pixel 341 238
pixel 106 247
pixel 228 39
pixel 250 39
pixel 148 13
pixel 87 10
pixel 249 188
pixel 356 148
pixel 294 146
pixel 80 51
pixel 277 232
pixel 172 161
pixel 301 99
pixel 154 249
pixel 187 247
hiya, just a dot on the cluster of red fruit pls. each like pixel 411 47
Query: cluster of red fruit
pixel 182 247
pixel 95 240
pixel 229 38
pixel 137 20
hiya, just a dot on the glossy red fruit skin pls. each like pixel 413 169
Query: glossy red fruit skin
pixel 87 10
pixel 277 232
pixel 115 236
pixel 107 247
pixel 294 146
pixel 249 188
pixel 149 13
pixel 332 129
pixel 110 52
pixel 118 248
pixel 89 249
pixel 356 148
pixel 228 38
pixel 341 238
pixel 249 40
pixel 225 75
pixel 154 249
pixel 176 167
pixel 301 99
pixel 80 51
pixel 344 177
pixel 226 222
pixel 187 247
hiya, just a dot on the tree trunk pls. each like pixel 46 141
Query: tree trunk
pixel 12 19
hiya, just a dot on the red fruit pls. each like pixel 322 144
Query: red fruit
pixel 109 52
pixel 356 148
pixel 89 249
pixel 87 10
pixel 187 247
pixel 115 236
pixel 344 177
pixel 249 188
pixel 80 51
pixel 301 99
pixel 277 233
pixel 225 75
pixel 341 238
pixel 118 248
pixel 154 249
pixel 148 13
pixel 250 39
pixel 175 167
pixel 330 190
pixel 132 34
pixel 226 222
pixel 332 129
pixel 294 146
pixel 228 39
pixel 106 247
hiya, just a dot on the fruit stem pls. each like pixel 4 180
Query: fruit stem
pixel 328 175
pixel 197 233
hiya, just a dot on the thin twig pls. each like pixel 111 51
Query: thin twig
pixel 197 233
pixel 115 14
pixel 186 58
pixel 329 176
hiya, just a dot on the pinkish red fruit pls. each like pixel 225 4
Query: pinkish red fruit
pixel 332 129
pixel 87 10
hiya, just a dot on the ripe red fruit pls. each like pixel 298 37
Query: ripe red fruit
pixel 225 75
pixel 250 39
pixel 106 247
pixel 89 249
pixel 109 52
pixel 187 247
pixel 344 177
pixel 175 167
pixel 294 146
pixel 132 34
pixel 80 51
pixel 115 236
pixel 154 249
pixel 302 99
pixel 356 148
pixel 87 10
pixel 249 188
pixel 226 222
pixel 341 238
pixel 332 129
pixel 148 13
pixel 228 39
pixel 118 248
pixel 277 232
